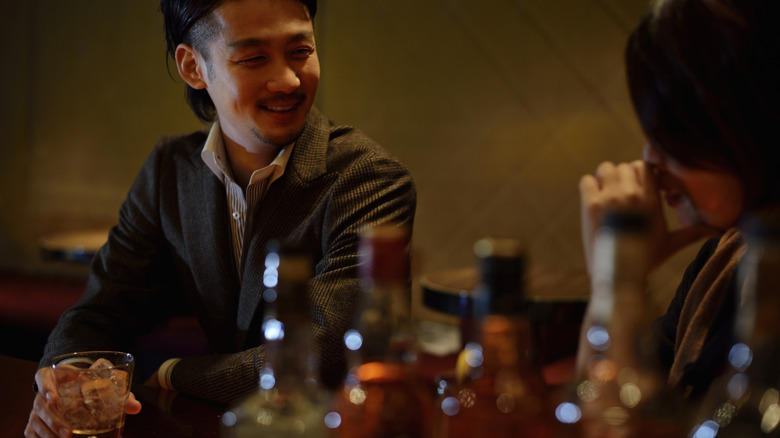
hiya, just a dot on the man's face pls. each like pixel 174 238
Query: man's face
pixel 262 71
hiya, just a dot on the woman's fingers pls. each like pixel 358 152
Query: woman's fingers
pixel 632 186
pixel 624 186
pixel 621 186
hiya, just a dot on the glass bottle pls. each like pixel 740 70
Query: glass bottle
pixel 620 391
pixel 500 391
pixel 382 395
pixel 290 401
pixel 745 401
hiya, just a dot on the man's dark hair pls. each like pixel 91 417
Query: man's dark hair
pixel 703 78
pixel 191 22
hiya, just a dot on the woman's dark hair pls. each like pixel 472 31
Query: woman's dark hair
pixel 190 22
pixel 705 83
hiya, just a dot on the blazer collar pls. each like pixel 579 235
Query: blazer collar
pixel 308 156
pixel 208 245
pixel 306 164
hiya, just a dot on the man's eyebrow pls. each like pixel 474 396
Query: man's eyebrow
pixel 261 42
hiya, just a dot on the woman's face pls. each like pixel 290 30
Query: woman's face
pixel 699 196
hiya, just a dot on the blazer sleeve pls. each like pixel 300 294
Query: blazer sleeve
pixel 373 189
pixel 127 278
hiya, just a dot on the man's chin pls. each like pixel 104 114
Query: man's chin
pixel 280 139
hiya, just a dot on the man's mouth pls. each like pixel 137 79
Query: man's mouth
pixel 280 105
pixel 280 108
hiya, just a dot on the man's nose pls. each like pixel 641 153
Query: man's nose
pixel 284 79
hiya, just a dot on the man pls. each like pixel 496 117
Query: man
pixel 194 227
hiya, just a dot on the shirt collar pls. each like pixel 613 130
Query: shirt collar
pixel 215 157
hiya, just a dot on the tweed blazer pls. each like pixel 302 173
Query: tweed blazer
pixel 171 250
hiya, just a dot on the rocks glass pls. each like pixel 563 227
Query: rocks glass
pixel 93 387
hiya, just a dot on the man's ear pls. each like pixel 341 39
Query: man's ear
pixel 187 62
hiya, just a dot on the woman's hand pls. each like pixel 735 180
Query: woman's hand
pixel 631 186
pixel 45 420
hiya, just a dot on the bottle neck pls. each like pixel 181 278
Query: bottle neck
pixel 383 331
pixel 624 325
pixel 617 306
pixel 498 305
pixel 289 354
pixel 758 318
pixel 505 343
pixel 757 328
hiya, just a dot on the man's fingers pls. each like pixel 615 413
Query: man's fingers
pixel 45 420
pixel 36 428
pixel 47 384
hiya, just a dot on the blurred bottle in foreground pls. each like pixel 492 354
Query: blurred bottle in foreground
pixel 290 401
pixel 745 401
pixel 382 395
pixel 499 390
pixel 621 391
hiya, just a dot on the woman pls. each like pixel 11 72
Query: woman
pixel 703 77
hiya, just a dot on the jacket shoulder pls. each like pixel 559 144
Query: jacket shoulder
pixel 344 138
pixel 349 145
pixel 182 144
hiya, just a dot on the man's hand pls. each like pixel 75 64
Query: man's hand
pixel 153 381
pixel 45 420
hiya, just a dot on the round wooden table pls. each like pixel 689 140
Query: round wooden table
pixel 555 303
pixel 78 246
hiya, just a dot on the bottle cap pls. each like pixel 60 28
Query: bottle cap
pixel 288 269
pixel 501 264
pixel 626 220
pixel 298 263
pixel 383 254
pixel 764 225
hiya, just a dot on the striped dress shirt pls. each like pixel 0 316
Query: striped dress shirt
pixel 241 204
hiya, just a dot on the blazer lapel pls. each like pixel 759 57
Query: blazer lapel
pixel 280 216
pixel 209 248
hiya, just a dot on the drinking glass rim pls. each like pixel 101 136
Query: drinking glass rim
pixel 80 356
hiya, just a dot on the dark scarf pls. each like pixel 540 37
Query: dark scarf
pixel 703 301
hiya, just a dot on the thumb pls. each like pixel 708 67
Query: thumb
pixel 133 405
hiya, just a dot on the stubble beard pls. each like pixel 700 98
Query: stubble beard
pixel 279 141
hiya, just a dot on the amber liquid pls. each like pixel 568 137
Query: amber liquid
pixel 660 414
pixel 638 429
pixel 384 402
pixel 112 433
pixel 485 411
pixel 505 398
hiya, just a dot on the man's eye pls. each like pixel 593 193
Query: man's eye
pixel 252 60
pixel 303 52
